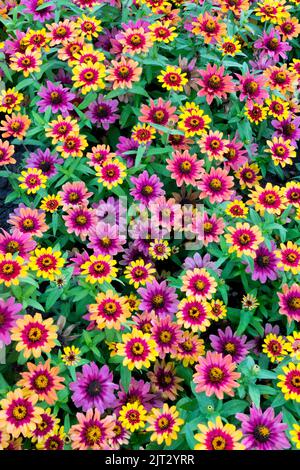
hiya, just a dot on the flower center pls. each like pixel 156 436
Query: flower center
pixel 61 31
pixel 94 388
pixel 99 267
pixel 19 412
pixel 55 97
pixel 15 126
pixel 165 336
pixel 280 77
pixel 105 242
pixel 89 75
pixel 244 239
pixel 215 144
pixel 295 381
pixel 73 197
pixel 291 257
pixel 199 285
pixel 137 348
pixel 110 308
pixel 158 300
pixel 194 312
pixel 262 433
pixel 124 71
pixel 216 374
pixel 173 77
pixel 263 261
pixel 81 220
pixel 230 347
pixel 294 303
pixel 147 190
pixel 26 61
pixel 28 223
pixel 280 150
pixel 273 44
pixel 41 381
pixel 159 116
pixel 136 39
pixel 215 184
pixel 185 166
pixel 210 26
pixel 207 226
pixel 93 434
pixel 8 268
pixel 34 334
pixel 214 81
pixel 163 422
pixel 251 87
pixel 218 443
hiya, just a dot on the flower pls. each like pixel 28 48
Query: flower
pixel 45 426
pixel 244 239
pixel 265 264
pixel 143 133
pixel 263 430
pixel 105 239
pixel 51 203
pixel 74 194
pixel 292 192
pixel 289 302
pixel 228 342
pixel 216 185
pixel 251 89
pixel 237 209
pixel 165 381
pixel 257 113
pixel 281 151
pixel 277 107
pixel 229 46
pixel 44 161
pixel 88 27
pixel 80 221
pixel 158 297
pixel 120 436
pixel 184 167
pixel 72 146
pixel 102 112
pixel 27 62
pixel 19 413
pixel 165 424
pixel 92 432
pixel 290 381
pixel 295 435
pixel 275 347
pixel 32 180
pixel 166 334
pixel 11 269
pixel 139 273
pixel 163 31
pixel 138 391
pixel 55 440
pixel 123 73
pixel 28 220
pixel 9 310
pixel 218 436
pixel 215 374
pixel 61 127
pixel 146 188
pixel 133 416
pixel 6 153
pixel 249 302
pixel 46 262
pixel 270 199
pixel 193 313
pixel 189 349
pixel 159 249
pixel 16 242
pixel 71 356
pixel 288 257
pixel 248 175
pixel 89 77
pixel 209 28
pixel 42 381
pixel 280 78
pixel 93 388
pixel 199 283
pixel 58 98
pixel 15 126
pixel 214 83
pixel 10 100
pixel 61 32
pixel 161 113
pixel 111 173
pixel 135 40
pixel 109 311
pixel 271 46
pixel 217 310
pixel 138 349
pixel 172 78
pixel 100 268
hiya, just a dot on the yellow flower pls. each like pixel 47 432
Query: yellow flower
pixel 53 441
pixel 162 31
pixel 172 78
pixel 218 436
pixel 290 381
pixel 139 273
pixel 27 62
pixel 217 310
pixel 164 424
pixel 11 269
pixel 289 257
pixel 88 27
pixel 51 203
pixel 237 209
pixel 277 107
pixel 138 349
pixel 10 100
pixel 244 239
pixel 46 262
pixel 111 173
pixel 99 269
pixel 34 335
pixel 294 341
pixel 89 77
pixel 133 416
pixel 194 122
pixel 275 347
pixel 159 249
pixel 143 133
pixel 257 113
pixel 110 311
pixel 32 180
pixel 71 356
pixel 295 435
pixel 229 46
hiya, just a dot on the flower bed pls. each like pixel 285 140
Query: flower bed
pixel 150 248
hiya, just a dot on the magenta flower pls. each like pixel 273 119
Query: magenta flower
pixel 288 128
pixel 8 316
pixel 42 15
pixel 289 302
pixel 201 262
pixel 251 88
pixel 102 112
pixel 265 264
pixel 138 391
pixel 16 242
pixel 263 430
pixel 105 239
pixel 55 96
pixel 270 45
pixel 228 342
pixel 44 161
pixel 158 297
pixel 127 149
pixel 80 220
pixel 94 388
pixel 147 188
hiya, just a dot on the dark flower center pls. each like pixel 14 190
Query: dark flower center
pixel 55 97
pixel 263 261
pixel 262 433
pixel 94 388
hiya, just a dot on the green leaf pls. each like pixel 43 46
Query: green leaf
pixel 245 318
pixel 232 407
pixel 125 378
pixel 254 395
pixel 52 297
pixel 139 155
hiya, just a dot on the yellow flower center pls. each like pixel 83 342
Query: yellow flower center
pixel 230 347
pixel 280 150
pixel 15 126
pixel 214 81
pixel 137 348
pixel 99 267
pixel 165 336
pixel 251 87
pixel 210 26
pixel 215 184
pixel 244 239
pixel 280 77
pixel 291 257
pixel 216 374
pixel 81 220
pixel 218 443
pixel 28 223
pixel 294 303
pixel 26 61
pixel 124 71
pixel 157 300
pixel 163 422
pixel 41 381
pixel 12 246
pixel 61 31
pixel 34 334
pixel 296 381
pixel 8 268
pixel 136 39
pixel 194 312
pixel 19 412
pixel 93 434
pixel 110 308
